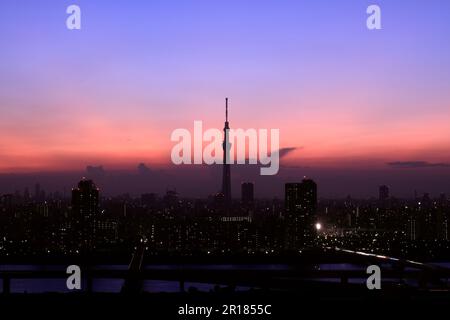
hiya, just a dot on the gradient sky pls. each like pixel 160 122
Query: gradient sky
pixel 111 93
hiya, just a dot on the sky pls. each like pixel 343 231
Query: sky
pixel 346 99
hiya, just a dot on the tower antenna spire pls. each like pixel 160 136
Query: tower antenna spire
pixel 226 109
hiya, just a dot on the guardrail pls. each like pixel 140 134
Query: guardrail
pixel 271 279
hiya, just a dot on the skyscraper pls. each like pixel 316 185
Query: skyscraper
pixel 300 207
pixel 85 198
pixel 247 193
pixel 85 207
pixel 226 175
pixel 383 192
pixel 37 191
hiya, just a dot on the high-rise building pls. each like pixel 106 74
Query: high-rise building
pixel 85 208
pixel 411 229
pixel 148 199
pixel 226 175
pixel 6 203
pixel 247 193
pixel 443 199
pixel 85 198
pixel 383 192
pixel 170 201
pixel 300 209
pixel 37 191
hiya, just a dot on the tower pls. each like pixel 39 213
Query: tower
pixel 226 175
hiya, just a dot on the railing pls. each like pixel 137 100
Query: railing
pixel 271 279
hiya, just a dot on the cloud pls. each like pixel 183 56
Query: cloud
pixel 143 169
pixel 283 152
pixel 417 164
pixel 95 171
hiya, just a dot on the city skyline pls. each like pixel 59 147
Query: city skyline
pixel 228 157
pixel 379 192
pixel 94 219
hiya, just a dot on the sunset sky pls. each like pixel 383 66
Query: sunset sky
pixel 111 93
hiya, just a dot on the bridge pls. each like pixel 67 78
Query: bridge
pixel 290 278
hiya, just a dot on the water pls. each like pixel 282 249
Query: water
pixel 115 285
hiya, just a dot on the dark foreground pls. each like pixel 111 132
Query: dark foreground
pixel 306 302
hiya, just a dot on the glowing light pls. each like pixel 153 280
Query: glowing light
pixel 318 226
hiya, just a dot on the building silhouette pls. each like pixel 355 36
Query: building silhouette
pixel 383 192
pixel 85 198
pixel 85 209
pixel 171 200
pixel 247 193
pixel 300 213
